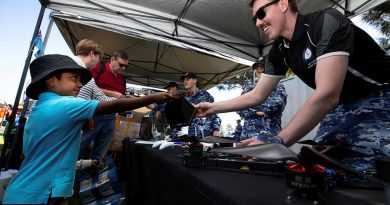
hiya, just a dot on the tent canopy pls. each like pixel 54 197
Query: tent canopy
pixel 164 38
pixel 153 63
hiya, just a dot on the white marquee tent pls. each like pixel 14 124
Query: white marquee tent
pixel 165 38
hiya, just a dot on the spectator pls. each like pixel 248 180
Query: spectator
pixel 238 130
pixel 263 121
pixel 111 82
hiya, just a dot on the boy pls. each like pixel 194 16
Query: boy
pixel 52 133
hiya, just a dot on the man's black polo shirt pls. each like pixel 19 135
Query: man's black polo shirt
pixel 328 33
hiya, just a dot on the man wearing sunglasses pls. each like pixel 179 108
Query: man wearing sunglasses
pixel 110 80
pixel 349 72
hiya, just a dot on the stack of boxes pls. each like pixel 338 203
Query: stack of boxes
pixel 100 185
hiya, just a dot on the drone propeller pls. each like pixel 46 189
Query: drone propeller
pixel 270 152
pixel 222 140
pixel 278 152
pixel 310 156
pixel 333 149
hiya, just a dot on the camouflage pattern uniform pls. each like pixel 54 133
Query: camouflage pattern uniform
pixel 202 127
pixel 237 132
pixel 264 129
pixel 364 125
pixel 160 123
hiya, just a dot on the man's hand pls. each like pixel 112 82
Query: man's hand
pixel 204 109
pixel 249 142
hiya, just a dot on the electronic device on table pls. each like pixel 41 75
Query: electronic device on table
pixel 310 174
pixel 179 113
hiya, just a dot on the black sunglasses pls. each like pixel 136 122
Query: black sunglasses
pixel 260 13
pixel 123 65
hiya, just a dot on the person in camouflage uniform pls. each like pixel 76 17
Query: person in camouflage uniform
pixel 216 125
pixel 200 127
pixel 363 126
pixel 238 130
pixel 159 119
pixel 263 122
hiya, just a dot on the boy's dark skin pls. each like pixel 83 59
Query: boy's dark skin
pixel 69 85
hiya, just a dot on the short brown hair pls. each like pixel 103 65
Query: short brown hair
pixel 85 46
pixel 291 3
pixel 120 54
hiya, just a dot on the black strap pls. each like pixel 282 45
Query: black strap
pixel 102 69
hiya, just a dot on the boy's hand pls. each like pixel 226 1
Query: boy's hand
pixel 204 109
pixel 163 97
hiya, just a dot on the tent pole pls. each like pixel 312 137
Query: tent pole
pixel 22 118
pixel 48 31
pixel 6 146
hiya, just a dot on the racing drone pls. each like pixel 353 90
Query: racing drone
pixel 311 173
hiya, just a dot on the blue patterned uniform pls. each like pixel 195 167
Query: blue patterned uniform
pixel 161 123
pixel 202 127
pixel 237 132
pixel 159 107
pixel 364 125
pixel 264 129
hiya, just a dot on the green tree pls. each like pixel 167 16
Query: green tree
pixel 237 82
pixel 379 17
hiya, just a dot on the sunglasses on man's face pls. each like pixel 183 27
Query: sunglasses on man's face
pixel 260 13
pixel 123 65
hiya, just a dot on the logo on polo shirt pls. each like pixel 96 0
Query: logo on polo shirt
pixel 307 54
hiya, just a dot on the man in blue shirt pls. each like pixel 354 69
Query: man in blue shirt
pixel 200 127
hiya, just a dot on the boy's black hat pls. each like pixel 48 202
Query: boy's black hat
pixel 189 75
pixel 171 84
pixel 260 61
pixel 47 64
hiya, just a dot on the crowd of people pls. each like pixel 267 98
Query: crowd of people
pixel 351 99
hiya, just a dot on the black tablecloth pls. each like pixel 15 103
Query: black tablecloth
pixel 160 177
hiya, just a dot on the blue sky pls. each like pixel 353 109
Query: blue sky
pixel 18 23
pixel 18 19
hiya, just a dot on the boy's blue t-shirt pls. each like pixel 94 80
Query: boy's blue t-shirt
pixel 51 147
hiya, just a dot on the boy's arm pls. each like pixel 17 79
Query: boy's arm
pixel 125 104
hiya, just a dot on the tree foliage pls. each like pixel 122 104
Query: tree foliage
pixel 237 82
pixel 379 17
